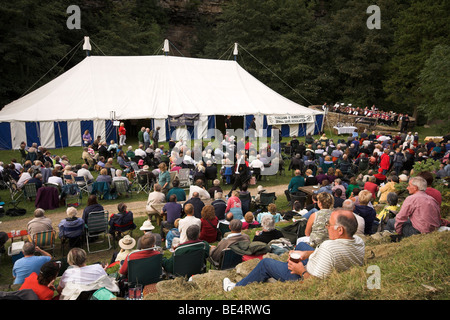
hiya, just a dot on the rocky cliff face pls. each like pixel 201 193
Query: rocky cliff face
pixel 183 18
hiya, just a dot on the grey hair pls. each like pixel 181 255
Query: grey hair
pixel 267 222
pixel 419 182
pixel 71 212
pixel 39 212
pixel 350 224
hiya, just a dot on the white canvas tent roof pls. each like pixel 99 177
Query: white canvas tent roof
pixel 140 87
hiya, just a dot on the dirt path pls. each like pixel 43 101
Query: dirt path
pixel 137 207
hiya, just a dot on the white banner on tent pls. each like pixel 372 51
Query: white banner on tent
pixel 181 133
pixel 293 130
pixel 47 134
pixel 290 119
pixel 161 123
pixel 310 128
pixel 259 121
pixel 99 130
pixel 18 134
pixel 74 133
pixel 202 127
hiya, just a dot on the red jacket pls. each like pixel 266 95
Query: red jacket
pixel 385 161
pixel 209 230
pixel 372 187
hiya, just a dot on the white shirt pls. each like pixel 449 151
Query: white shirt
pixel 83 275
pixel 55 180
pixel 257 164
pixel 185 223
pixel 83 172
pixel 203 194
pixel 339 255
pixel 23 178
pixel 139 152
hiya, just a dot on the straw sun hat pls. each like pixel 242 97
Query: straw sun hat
pixel 147 225
pixel 127 242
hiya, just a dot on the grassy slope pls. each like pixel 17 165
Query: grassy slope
pixel 417 268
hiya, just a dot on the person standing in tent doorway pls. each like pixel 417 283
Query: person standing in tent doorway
pixel 156 136
pixel 122 134
pixel 228 123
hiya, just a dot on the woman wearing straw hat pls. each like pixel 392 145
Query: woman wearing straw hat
pixel 126 244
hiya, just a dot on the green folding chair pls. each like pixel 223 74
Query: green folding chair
pixel 190 263
pixel 97 226
pixel 29 191
pixel 144 270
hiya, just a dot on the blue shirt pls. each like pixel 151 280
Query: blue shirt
pixel 276 217
pixel 173 211
pixel 27 265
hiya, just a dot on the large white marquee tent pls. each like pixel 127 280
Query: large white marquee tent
pixel 104 88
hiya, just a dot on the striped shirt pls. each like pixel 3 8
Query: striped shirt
pixel 339 255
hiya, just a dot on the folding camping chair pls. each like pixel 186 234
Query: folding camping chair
pixel 189 263
pixel 144 270
pixel 142 183
pixel 122 188
pixel 45 240
pixel 265 199
pixel 229 259
pixel 15 193
pixel 83 184
pixel 29 191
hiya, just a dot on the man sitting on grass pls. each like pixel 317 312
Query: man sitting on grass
pixel 340 252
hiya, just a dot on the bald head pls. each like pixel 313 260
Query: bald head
pixel 345 219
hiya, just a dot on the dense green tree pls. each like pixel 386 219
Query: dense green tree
pixel 29 44
pixel 435 85
pixel 418 29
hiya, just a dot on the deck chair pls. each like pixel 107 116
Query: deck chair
pixel 29 191
pixel 183 177
pixel 122 188
pixel 265 199
pixel 45 240
pixel 97 226
pixel 190 263
pixel 145 270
